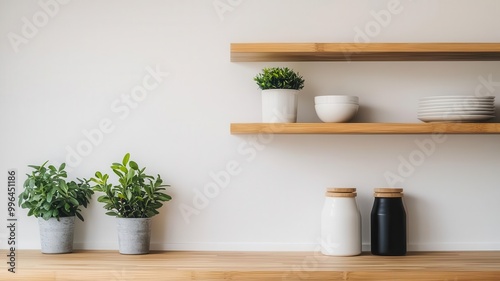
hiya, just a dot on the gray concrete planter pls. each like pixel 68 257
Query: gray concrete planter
pixel 56 237
pixel 134 235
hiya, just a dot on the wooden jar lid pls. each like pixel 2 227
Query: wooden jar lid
pixel 341 194
pixel 341 189
pixel 388 190
pixel 388 194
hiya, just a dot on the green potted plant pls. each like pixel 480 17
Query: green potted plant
pixel 55 202
pixel 133 201
pixel 280 86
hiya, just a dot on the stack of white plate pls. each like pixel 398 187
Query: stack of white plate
pixel 456 108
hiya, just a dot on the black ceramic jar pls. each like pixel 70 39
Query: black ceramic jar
pixel 388 223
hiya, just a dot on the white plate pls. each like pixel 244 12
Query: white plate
pixel 457 100
pixel 456 103
pixel 456 97
pixel 486 107
pixel 455 118
pixel 452 113
pixel 456 110
pixel 464 108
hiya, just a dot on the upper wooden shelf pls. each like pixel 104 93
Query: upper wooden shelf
pixel 258 52
pixel 365 128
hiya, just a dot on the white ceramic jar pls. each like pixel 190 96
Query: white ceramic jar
pixel 340 223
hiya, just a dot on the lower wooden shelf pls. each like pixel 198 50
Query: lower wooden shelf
pixel 365 128
pixel 110 265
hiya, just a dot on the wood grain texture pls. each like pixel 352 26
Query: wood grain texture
pixel 365 128
pixel 110 265
pixel 258 52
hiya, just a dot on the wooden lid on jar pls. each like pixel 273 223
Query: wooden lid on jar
pixel 341 192
pixel 341 189
pixel 388 192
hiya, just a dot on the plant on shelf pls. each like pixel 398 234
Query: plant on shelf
pixel 55 202
pixel 280 86
pixel 279 78
pixel 134 200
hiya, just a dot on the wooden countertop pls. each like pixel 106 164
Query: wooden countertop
pixel 110 265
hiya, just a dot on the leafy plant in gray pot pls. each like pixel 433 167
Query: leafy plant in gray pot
pixel 55 202
pixel 133 201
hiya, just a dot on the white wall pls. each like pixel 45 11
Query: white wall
pixel 70 74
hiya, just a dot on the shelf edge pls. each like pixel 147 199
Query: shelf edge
pixel 365 128
pixel 259 52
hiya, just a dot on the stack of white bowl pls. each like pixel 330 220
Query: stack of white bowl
pixel 456 108
pixel 336 108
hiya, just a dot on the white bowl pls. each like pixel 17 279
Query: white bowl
pixel 335 99
pixel 336 113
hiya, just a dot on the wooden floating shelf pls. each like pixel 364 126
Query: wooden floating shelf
pixel 365 128
pixel 259 52
pixel 266 266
